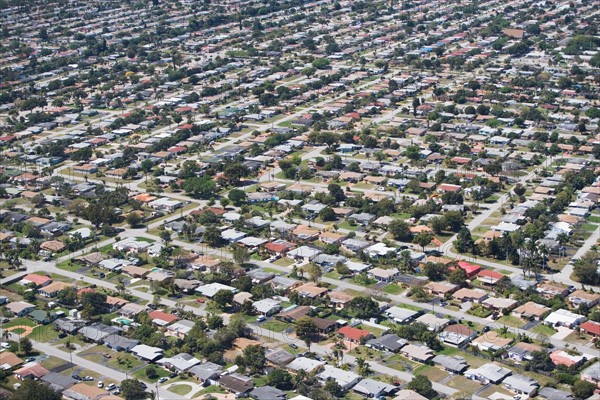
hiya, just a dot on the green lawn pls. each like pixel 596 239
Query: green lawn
pixel 283 262
pixel 181 390
pixel 124 361
pixel 276 325
pixel 433 373
pixel 543 329
pixel 19 321
pixel 346 225
pixel 393 289
pixel 595 219
pixel 511 321
pixel 160 373
pixel 68 265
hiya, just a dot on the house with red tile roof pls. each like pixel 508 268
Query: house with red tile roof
pixel 489 277
pixel 39 280
pixel 591 328
pixel 355 334
pixel 470 269
pixel 162 318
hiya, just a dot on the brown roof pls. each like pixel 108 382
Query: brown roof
pixel 296 313
pixel 10 358
pixel 55 287
pixel 460 329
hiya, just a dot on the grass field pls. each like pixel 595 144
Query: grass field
pixel 393 289
pixel 181 390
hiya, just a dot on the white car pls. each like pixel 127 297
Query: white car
pixel 5 345
pixel 110 387
pixel 100 384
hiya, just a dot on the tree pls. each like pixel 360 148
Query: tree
pixel 586 269
pixel 493 168
pixel 235 171
pixel 327 214
pixel 464 242
pixel 314 271
pixel 25 345
pixel 422 385
pixel 212 237
pixel 423 239
pixel 254 359
pixel 281 379
pixel 240 254
pixel 133 219
pixel 201 188
pixel 35 390
pixel 437 224
pixel 133 389
pixel 541 361
pixel 333 388
pixel 67 296
pixel 237 197
pixel 223 298
pixel 362 307
pixel 364 368
pixel 400 230
pixel 519 189
pixel 151 371
pixel 93 304
pixel 165 236
pixel 435 271
pixel 583 389
pixel 458 276
pixel 306 329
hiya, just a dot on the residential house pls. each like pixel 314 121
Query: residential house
pixel 305 364
pixel 563 317
pixel 454 365
pixel 370 388
pixel 120 343
pixel 236 383
pixel 346 379
pixel 580 297
pixel 179 363
pixel 42 317
pixel 489 277
pixel 52 289
pixel 206 373
pixel 354 334
pixel 531 311
pixel 521 384
pixel 561 357
pixel 440 288
pixel 500 304
pixel 457 335
pixel 491 341
pixel 31 370
pixel 417 353
pixel 401 315
pixel 97 332
pixel 267 306
pixel 311 290
pixel 179 329
pixel 592 374
pixel 268 393
pixel 162 318
pixel 20 308
pixel 488 373
pixel 147 353
pixel 383 275
pixel 591 328
pixel 37 280
pixel 279 357
pixel 550 290
pixel 389 342
pixel 9 360
pixel 407 394
pixel 433 322
pixel 474 295
pixel 522 352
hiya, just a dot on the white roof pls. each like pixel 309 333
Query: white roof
pixel 305 364
pixel 344 378
pixel 563 317
pixel 211 289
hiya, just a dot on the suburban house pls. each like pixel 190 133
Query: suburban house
pixel 417 353
pixel 530 311
pixel 488 373
pixel 521 384
pixel 457 335
pixel 563 317
pixel 522 352
pixel 346 379
pixel 354 334
pixel 454 365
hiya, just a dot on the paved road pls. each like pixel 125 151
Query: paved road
pixel 46 348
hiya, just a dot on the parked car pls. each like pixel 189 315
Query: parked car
pixel 261 318
pixel 112 386
pixel 293 345
pixel 163 379
pixel 100 384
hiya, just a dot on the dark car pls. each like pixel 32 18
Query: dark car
pixel 293 345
